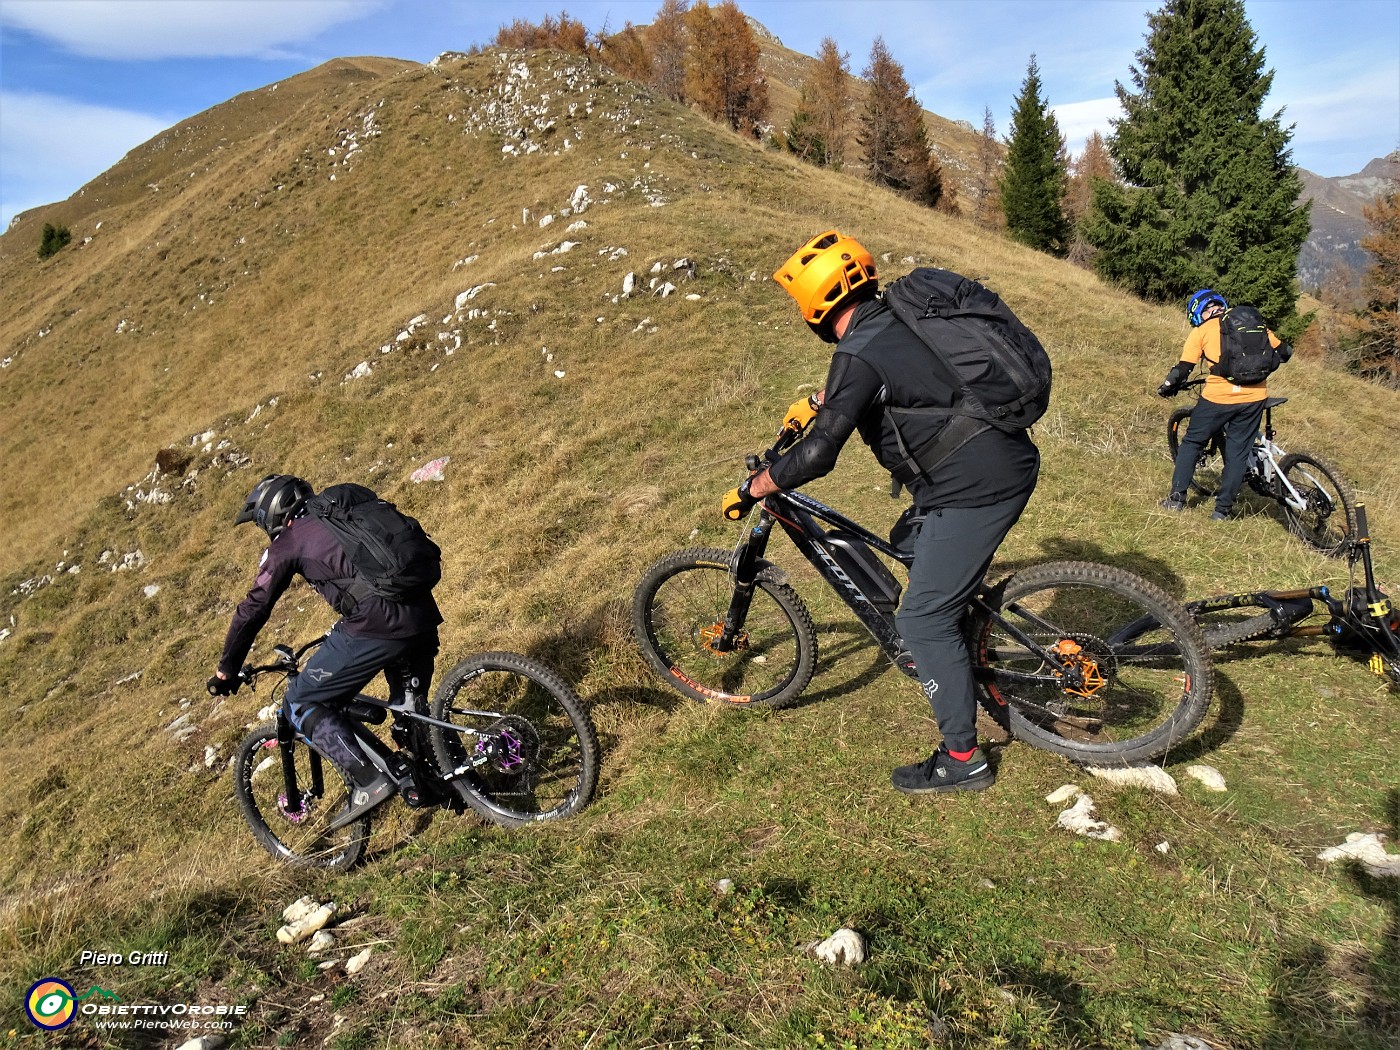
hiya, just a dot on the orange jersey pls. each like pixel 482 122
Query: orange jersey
pixel 1204 344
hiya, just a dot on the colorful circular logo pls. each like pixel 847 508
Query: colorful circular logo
pixel 51 1003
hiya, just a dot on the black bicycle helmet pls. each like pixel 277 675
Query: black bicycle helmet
pixel 274 501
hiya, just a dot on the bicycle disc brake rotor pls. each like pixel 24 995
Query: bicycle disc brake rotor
pixel 510 746
pixel 711 635
pixel 298 815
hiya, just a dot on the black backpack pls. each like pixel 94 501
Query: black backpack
pixel 1246 357
pixel 1001 371
pixel 392 555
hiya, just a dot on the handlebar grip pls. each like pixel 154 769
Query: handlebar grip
pixel 1362 535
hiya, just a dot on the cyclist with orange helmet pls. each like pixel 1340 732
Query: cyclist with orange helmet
pixel 968 501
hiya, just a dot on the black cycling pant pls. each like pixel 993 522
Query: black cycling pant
pixel 1240 425
pixel 951 555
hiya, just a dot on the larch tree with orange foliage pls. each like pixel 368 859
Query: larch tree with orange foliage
pixel 722 71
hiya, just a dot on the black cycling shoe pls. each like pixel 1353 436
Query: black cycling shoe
pixel 942 772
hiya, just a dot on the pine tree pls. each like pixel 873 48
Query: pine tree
pixel 892 132
pixel 53 240
pixel 1209 194
pixel 1033 180
pixel 722 71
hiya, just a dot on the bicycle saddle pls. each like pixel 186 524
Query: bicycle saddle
pixel 1274 402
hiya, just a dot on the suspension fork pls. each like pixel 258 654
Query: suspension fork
pixel 744 571
pixel 286 741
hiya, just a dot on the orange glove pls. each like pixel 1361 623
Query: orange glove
pixel 736 503
pixel 801 412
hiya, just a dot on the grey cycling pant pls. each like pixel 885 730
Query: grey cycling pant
pixel 951 555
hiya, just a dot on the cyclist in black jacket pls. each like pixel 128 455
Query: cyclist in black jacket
pixel 373 635
pixel 969 500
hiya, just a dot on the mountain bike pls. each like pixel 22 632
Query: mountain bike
pixel 1364 620
pixel 1049 657
pixel 1317 502
pixel 505 736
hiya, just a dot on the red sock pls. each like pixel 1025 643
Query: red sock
pixel 961 756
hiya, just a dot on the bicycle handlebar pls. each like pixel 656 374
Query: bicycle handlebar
pixel 288 661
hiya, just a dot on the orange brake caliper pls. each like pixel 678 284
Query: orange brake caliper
pixel 1091 678
pixel 710 635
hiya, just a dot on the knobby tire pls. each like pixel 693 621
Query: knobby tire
pixel 1329 521
pixel 528 750
pixel 1156 676
pixel 679 607
pixel 293 831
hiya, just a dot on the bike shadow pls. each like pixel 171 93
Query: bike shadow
pixel 1215 732
pixel 837 645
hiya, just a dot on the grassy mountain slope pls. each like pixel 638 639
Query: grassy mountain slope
pixel 393 216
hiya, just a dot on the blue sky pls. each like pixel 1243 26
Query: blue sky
pixel 84 81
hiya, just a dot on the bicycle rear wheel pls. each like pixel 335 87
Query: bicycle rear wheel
pixel 1327 521
pixel 678 612
pixel 1137 677
pixel 294 830
pixel 525 749
pixel 1205 481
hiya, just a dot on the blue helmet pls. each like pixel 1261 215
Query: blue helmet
pixel 1200 302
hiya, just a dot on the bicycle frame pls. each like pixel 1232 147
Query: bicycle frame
pixel 387 759
pixel 1265 455
pixel 799 515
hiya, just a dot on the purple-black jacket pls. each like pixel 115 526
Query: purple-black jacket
pixel 309 548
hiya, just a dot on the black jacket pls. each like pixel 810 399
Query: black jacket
pixel 892 368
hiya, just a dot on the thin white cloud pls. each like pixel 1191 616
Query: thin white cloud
pixel 1079 120
pixel 52 146
pixel 135 30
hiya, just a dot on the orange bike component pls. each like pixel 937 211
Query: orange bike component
pixel 1072 653
pixel 710 635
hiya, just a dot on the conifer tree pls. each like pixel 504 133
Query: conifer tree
pixel 892 133
pixel 1209 193
pixel 820 124
pixel 986 209
pixel 722 70
pixel 1033 180
pixel 667 38
pixel 1376 353
pixel 1093 163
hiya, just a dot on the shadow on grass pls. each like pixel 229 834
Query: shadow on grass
pixel 1214 732
pixel 1344 999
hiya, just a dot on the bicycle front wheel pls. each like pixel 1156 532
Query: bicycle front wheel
pixel 1205 481
pixel 1092 662
pixel 678 614
pixel 1327 519
pixel 292 825
pixel 524 749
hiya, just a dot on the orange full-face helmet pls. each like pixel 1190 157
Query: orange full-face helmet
pixel 824 273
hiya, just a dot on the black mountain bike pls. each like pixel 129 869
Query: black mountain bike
pixel 1363 620
pixel 505 736
pixel 1047 645
pixel 1316 500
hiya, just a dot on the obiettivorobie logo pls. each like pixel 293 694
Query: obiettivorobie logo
pixel 52 1004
